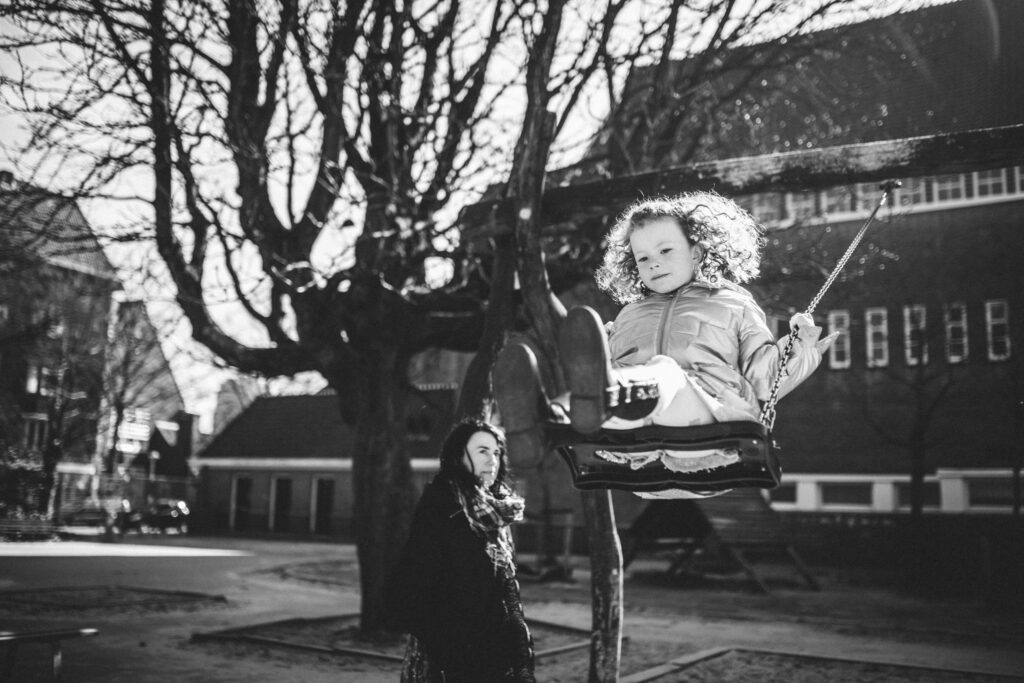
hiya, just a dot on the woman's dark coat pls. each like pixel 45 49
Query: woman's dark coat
pixel 446 591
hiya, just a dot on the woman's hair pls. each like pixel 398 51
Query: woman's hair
pixel 731 239
pixel 453 451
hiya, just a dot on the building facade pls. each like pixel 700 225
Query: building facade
pixel 71 349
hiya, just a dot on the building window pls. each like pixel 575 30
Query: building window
pixel 931 494
pixel 839 354
pixel 876 325
pixel 990 493
pixel 40 380
pixel 35 429
pixel 949 188
pixel 280 504
pixel 912 192
pixel 867 196
pixel 997 325
pixel 766 207
pixel 915 343
pixel 956 333
pixel 989 183
pixel 242 513
pixel 803 205
pixel 784 493
pixel 843 493
pixel 838 200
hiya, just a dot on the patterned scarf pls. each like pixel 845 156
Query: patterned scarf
pixel 490 515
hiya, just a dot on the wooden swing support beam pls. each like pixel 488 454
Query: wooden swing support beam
pixel 564 208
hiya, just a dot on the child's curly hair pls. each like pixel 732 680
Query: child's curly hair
pixel 732 240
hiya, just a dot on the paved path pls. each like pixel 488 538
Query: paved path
pixel 155 646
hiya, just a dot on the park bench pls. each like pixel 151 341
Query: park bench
pixel 12 639
pixel 27 529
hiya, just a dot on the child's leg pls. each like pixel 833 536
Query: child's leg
pixel 583 347
pixel 687 407
pixel 671 382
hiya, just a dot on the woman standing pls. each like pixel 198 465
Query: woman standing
pixel 454 587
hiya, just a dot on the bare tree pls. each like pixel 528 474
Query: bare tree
pixel 261 129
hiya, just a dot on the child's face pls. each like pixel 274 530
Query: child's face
pixel 663 254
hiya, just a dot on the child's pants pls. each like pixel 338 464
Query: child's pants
pixel 681 403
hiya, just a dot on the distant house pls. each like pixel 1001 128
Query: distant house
pixel 56 293
pixel 284 465
pixel 83 379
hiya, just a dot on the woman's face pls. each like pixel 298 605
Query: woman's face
pixel 482 457
pixel 664 256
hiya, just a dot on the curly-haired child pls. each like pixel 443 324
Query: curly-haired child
pixel 687 326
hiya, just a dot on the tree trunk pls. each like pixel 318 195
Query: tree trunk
pixel 498 321
pixel 381 477
pixel 605 587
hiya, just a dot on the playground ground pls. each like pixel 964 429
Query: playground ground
pixel 714 628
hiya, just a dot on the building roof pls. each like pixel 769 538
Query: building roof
pixel 310 426
pixel 945 68
pixel 284 427
pixel 37 224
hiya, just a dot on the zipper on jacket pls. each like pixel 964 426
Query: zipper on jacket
pixel 662 326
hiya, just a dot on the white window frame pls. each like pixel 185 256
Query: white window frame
pixel 955 319
pixel 839 354
pixel 990 183
pixel 867 195
pixel 766 207
pixel 838 200
pixel 913 192
pixel 915 319
pixel 802 205
pixel 993 318
pixel 882 328
pixel 953 184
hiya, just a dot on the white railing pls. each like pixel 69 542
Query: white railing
pixel 948 491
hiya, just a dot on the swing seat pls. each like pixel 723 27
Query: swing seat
pixel 757 467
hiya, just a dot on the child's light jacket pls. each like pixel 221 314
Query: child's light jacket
pixel 720 337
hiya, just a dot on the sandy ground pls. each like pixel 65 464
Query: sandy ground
pixel 665 620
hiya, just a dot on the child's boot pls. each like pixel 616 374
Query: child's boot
pixel 522 402
pixel 595 394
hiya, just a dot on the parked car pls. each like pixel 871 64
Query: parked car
pixel 104 512
pixel 167 513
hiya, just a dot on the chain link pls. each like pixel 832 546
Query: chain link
pixel 768 411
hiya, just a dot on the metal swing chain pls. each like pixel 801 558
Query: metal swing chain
pixel 768 412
